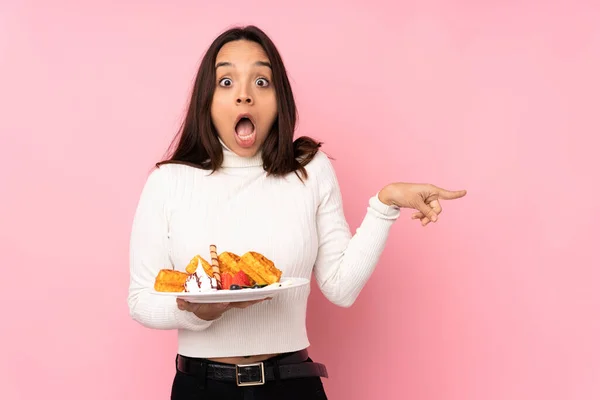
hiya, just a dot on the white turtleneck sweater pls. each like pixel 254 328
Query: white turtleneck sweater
pixel 299 226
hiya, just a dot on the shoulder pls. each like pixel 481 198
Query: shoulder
pixel 168 177
pixel 173 172
pixel 161 175
pixel 321 174
pixel 320 165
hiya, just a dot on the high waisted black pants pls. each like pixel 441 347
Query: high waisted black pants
pixel 188 387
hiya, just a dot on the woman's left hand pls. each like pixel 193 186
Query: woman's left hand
pixel 425 198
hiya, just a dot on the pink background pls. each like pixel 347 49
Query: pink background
pixel 499 300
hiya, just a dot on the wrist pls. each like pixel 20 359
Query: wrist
pixel 207 317
pixel 384 196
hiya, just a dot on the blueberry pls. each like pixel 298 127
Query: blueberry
pixel 234 287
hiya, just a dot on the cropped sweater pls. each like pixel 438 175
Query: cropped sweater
pixel 300 226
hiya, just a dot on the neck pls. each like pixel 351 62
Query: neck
pixel 232 160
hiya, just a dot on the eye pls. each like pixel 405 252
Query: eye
pixel 226 82
pixel 262 82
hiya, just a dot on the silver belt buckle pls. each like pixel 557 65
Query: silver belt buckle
pixel 251 369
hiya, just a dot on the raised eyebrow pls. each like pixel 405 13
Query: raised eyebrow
pixel 258 64
pixel 223 64
pixel 263 64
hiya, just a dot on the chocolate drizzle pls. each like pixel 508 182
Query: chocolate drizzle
pixel 190 278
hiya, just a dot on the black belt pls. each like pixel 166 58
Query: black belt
pixel 292 365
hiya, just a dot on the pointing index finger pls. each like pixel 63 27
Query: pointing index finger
pixel 450 194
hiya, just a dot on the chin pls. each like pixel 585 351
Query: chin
pixel 242 152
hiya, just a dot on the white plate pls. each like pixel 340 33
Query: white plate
pixel 225 296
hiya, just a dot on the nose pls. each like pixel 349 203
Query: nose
pixel 244 99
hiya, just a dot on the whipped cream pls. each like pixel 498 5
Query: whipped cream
pixel 207 284
pixel 200 284
pixel 192 284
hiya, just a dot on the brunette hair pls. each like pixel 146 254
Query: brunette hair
pixel 197 143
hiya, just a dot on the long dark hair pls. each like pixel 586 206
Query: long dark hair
pixel 197 143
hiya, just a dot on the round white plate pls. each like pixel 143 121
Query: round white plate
pixel 227 296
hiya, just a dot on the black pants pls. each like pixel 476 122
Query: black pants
pixel 188 387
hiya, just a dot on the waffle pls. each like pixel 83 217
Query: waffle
pixel 193 265
pixel 169 280
pixel 259 268
pixel 228 262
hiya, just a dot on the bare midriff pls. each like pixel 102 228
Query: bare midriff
pixel 243 360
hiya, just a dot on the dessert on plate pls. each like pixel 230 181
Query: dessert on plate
pixel 226 271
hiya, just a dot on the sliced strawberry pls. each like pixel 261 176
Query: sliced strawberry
pixel 226 280
pixel 241 279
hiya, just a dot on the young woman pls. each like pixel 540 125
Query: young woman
pixel 237 178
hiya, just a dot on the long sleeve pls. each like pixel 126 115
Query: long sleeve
pixel 148 254
pixel 345 262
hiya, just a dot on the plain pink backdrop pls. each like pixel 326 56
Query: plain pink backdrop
pixel 499 300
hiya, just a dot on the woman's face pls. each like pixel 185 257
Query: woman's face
pixel 244 105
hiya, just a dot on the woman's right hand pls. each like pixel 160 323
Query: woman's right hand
pixel 212 311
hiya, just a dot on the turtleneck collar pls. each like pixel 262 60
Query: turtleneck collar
pixel 232 160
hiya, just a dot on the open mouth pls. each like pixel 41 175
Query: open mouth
pixel 245 130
